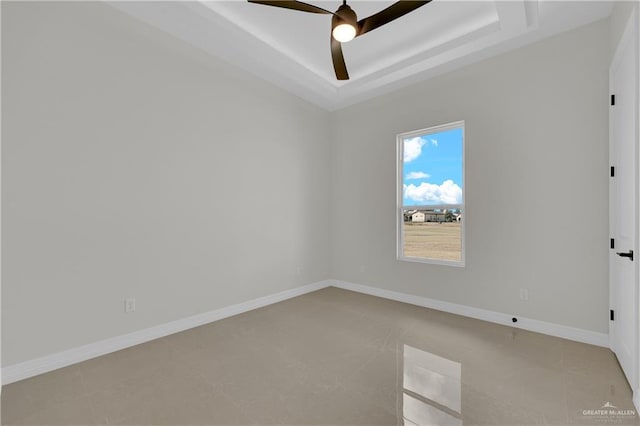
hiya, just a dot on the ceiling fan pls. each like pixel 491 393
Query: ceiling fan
pixel 345 25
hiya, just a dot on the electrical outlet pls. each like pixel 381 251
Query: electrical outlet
pixel 362 268
pixel 129 305
pixel 524 294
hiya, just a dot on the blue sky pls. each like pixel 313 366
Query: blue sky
pixel 432 168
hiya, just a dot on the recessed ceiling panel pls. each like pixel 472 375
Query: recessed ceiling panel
pixel 292 49
pixel 425 29
pixel 306 36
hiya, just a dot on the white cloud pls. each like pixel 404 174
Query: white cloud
pixel 412 149
pixel 417 175
pixel 429 193
pixel 434 142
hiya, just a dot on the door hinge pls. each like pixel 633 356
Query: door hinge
pixel 613 100
pixel 611 315
pixel 612 172
pixel 612 243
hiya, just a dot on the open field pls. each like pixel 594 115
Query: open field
pixel 433 240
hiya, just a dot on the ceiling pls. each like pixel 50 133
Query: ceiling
pixel 291 49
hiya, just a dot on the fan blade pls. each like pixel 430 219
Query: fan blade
pixel 338 60
pixel 294 5
pixel 387 15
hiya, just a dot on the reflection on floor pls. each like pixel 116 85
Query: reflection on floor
pixel 432 387
pixel 335 357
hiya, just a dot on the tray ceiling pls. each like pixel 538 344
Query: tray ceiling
pixel 291 49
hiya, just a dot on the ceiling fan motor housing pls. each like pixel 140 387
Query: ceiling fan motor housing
pixel 344 15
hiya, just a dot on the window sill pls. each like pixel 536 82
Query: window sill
pixel 455 263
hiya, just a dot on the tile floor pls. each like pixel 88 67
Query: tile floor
pixel 334 357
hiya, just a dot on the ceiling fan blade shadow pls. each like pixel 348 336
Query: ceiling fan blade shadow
pixel 338 60
pixel 293 5
pixel 387 15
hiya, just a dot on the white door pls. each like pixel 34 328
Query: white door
pixel 623 259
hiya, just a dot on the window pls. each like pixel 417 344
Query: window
pixel 431 195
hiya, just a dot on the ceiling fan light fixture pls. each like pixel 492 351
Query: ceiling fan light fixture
pixel 344 24
pixel 344 32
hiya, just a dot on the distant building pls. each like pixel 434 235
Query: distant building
pixel 421 216
pixel 417 217
pixel 407 215
pixel 434 216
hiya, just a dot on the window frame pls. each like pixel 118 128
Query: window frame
pixel 400 192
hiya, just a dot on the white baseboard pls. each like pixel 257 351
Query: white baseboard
pixel 23 370
pixel 566 332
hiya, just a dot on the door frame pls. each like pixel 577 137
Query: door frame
pixel 631 34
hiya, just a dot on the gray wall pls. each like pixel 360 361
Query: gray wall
pixel 134 165
pixel 536 149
